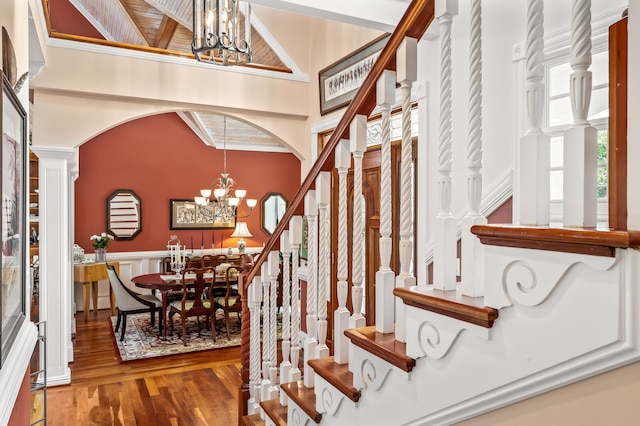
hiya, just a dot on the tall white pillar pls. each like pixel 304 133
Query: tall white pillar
pixel 445 234
pixel 358 146
pixel 407 72
pixel 310 343
pixel 323 198
pixel 472 249
pixel 385 277
pixel 57 171
pixel 580 139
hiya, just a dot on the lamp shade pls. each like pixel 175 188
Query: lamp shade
pixel 241 230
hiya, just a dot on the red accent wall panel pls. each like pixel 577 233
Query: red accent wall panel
pixel 160 158
pixel 21 409
pixel 65 18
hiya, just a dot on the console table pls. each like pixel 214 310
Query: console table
pixel 88 274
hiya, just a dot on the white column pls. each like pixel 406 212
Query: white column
pixel 323 198
pixel 472 249
pixel 534 161
pixel 341 315
pixel 310 343
pixel 358 145
pixel 385 277
pixel 580 139
pixel 407 70
pixel 274 271
pixel 295 239
pixel 445 238
pixel 285 365
pixel 57 169
pixel 254 299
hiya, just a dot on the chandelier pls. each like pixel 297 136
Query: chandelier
pixel 217 32
pixel 224 204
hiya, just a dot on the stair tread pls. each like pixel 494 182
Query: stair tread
pixel 276 412
pixel 304 397
pixel 450 304
pixel 253 420
pixel 337 374
pixel 384 346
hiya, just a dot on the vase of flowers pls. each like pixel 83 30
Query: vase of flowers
pixel 100 244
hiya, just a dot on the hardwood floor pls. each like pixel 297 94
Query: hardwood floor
pixel 191 389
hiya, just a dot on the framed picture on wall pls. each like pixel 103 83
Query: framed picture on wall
pixel 14 189
pixel 186 214
pixel 340 81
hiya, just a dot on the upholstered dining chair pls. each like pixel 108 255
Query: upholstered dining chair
pixel 230 301
pixel 193 280
pixel 130 302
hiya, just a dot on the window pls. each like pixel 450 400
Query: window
pixel 559 116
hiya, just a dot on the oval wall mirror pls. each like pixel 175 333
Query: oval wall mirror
pixel 124 214
pixel 273 207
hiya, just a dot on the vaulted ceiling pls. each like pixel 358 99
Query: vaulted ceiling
pixel 165 26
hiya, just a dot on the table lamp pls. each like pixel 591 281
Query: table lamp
pixel 241 232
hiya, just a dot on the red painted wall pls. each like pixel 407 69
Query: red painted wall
pixel 65 18
pixel 21 409
pixel 160 158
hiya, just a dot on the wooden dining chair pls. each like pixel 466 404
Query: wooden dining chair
pixel 165 268
pixel 200 305
pixel 213 260
pixel 230 301
pixel 130 302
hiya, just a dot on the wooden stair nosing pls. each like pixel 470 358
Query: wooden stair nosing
pixel 304 397
pixel 275 411
pixel 253 420
pixel 384 346
pixel 337 374
pixel 482 316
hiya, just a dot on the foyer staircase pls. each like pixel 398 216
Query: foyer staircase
pixel 522 321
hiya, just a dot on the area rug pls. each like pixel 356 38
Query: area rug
pixel 141 341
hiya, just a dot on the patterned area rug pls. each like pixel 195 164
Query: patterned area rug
pixel 142 341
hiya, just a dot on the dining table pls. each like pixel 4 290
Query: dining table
pixel 164 283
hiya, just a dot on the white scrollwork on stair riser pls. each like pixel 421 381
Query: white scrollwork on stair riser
pixel 297 417
pixel 434 342
pixel 372 375
pixel 530 284
pixel 528 277
pixel 330 399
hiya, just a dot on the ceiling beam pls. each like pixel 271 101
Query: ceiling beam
pixel 165 32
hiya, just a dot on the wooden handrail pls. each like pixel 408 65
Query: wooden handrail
pixel 414 23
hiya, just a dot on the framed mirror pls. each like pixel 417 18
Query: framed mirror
pixel 273 207
pixel 124 214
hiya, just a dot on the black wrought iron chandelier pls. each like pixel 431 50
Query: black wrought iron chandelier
pixel 218 32
pixel 224 204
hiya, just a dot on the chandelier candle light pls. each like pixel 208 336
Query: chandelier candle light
pixel 217 32
pixel 224 205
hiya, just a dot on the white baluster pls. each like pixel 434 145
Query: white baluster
pixel 445 238
pixel 266 333
pixel 254 299
pixel 580 139
pixel 534 161
pixel 323 198
pixel 274 271
pixel 285 365
pixel 358 142
pixel 295 238
pixel 472 249
pixel 310 343
pixel 341 315
pixel 385 277
pixel 407 71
